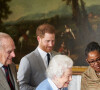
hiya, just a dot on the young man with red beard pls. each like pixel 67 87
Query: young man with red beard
pixel 33 66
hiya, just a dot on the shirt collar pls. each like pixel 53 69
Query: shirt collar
pixel 52 84
pixel 1 65
pixel 42 53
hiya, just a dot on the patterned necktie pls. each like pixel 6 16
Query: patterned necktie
pixel 48 58
pixel 7 77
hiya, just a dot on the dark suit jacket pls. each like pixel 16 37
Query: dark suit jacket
pixel 31 70
pixel 3 82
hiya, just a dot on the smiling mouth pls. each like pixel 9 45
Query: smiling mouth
pixel 98 67
pixel 49 47
pixel 10 59
pixel 67 82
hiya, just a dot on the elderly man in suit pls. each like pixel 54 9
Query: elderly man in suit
pixel 59 73
pixel 33 66
pixel 8 72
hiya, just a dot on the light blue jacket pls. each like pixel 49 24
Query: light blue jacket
pixel 45 85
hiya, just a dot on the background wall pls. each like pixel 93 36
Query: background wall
pixel 77 23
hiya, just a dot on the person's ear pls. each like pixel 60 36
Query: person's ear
pixel 86 60
pixel 38 38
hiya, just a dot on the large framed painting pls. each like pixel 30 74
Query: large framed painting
pixel 77 23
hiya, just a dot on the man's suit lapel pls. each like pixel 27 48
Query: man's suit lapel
pixel 39 59
pixel 3 81
pixel 14 77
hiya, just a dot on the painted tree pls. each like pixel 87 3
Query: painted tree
pixel 75 10
pixel 85 16
pixel 79 14
pixel 4 10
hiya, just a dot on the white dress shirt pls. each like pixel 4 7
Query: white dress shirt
pixel 1 66
pixel 44 56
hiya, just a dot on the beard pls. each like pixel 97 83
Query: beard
pixel 46 48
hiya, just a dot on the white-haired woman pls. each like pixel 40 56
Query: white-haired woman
pixel 59 73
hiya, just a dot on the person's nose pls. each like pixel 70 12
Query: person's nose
pixel 96 63
pixel 70 78
pixel 13 54
pixel 51 43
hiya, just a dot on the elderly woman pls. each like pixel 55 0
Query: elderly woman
pixel 59 73
pixel 91 77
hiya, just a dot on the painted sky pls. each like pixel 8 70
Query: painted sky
pixel 25 7
pixel 91 2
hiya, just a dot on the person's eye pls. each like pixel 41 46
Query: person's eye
pixel 9 52
pixel 98 59
pixel 47 41
pixel 92 61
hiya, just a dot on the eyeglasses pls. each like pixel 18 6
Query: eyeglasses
pixel 93 62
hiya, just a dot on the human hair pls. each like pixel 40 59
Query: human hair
pixel 3 36
pixel 45 28
pixel 92 46
pixel 58 66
